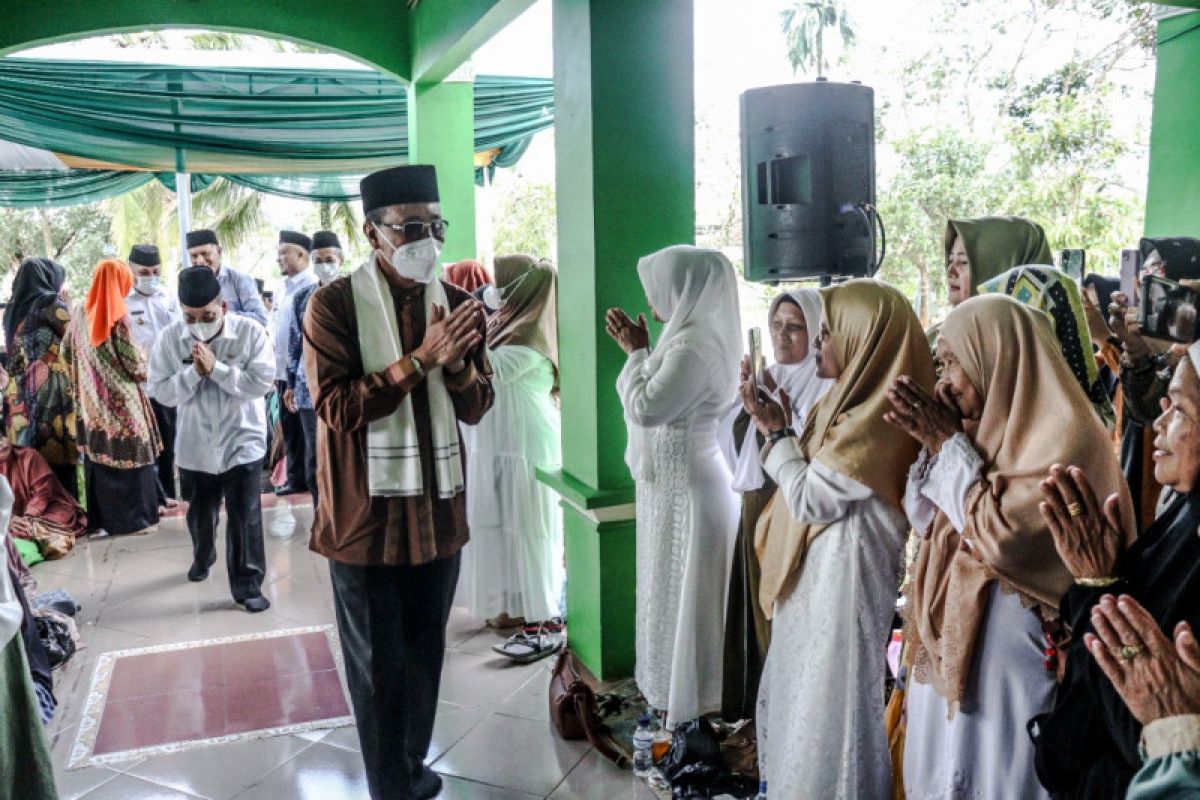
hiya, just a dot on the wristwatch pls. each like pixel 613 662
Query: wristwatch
pixel 779 435
pixel 417 365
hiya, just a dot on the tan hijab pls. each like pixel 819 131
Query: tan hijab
pixel 529 315
pixel 877 338
pixel 1034 415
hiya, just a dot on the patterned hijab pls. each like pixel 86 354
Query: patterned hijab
pixel 38 282
pixel 996 244
pixel 877 338
pixel 1034 415
pixel 105 304
pixel 1054 292
pixel 529 313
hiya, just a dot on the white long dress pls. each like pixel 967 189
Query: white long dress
pixel 686 522
pixel 820 708
pixel 514 561
pixel 983 753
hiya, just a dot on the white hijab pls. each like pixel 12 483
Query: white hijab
pixel 799 380
pixel 695 290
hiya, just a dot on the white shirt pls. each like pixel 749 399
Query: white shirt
pixel 222 420
pixel 942 481
pixel 281 317
pixel 149 315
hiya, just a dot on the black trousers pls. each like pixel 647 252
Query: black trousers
pixel 245 557
pixel 392 623
pixel 308 420
pixel 293 441
pixel 165 417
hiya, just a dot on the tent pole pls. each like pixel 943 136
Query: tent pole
pixel 183 193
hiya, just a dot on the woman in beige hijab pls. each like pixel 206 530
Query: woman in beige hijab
pixel 987 581
pixel 512 569
pixel 830 546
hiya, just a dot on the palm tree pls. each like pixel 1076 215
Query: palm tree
pixel 804 26
pixel 341 219
pixel 233 211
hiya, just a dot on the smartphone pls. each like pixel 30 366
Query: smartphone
pixel 756 357
pixel 1168 310
pixel 1131 275
pixel 1073 262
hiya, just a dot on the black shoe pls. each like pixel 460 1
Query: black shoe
pixel 289 489
pixel 428 785
pixel 255 604
pixel 198 572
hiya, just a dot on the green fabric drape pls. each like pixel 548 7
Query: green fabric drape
pixel 240 120
pixel 53 188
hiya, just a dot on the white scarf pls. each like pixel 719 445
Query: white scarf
pixel 802 385
pixel 393 448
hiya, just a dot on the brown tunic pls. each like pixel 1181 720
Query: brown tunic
pixel 351 526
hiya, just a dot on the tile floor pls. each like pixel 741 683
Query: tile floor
pixel 493 738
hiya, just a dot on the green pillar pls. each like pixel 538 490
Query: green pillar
pixel 1173 195
pixel 624 119
pixel 441 131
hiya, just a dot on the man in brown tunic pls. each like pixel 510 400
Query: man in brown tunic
pixel 394 545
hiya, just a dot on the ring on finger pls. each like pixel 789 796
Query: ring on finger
pixel 1075 509
pixel 1130 651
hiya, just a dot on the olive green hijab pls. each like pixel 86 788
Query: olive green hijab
pixel 997 244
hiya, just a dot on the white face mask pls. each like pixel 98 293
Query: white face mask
pixel 326 271
pixel 147 284
pixel 417 260
pixel 205 331
pixel 492 299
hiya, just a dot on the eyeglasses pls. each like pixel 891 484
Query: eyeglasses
pixel 412 231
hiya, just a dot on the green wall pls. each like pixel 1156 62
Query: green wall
pixel 1173 194
pixel 441 132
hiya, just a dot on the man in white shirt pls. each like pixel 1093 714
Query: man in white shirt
pixel 293 261
pixel 239 290
pixel 151 310
pixel 215 368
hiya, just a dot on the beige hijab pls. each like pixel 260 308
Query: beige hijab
pixel 877 338
pixel 529 315
pixel 1034 415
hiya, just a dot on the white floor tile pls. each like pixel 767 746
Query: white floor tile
pixel 513 753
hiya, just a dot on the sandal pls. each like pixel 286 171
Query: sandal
pixel 525 649
pixel 552 625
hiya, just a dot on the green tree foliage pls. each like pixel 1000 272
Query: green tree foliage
pixel 524 221
pixel 805 24
pixel 76 237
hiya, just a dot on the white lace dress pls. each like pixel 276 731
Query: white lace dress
pixel 514 561
pixel 820 706
pixel 686 524
pixel 983 753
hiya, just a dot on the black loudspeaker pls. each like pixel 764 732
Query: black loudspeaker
pixel 808 181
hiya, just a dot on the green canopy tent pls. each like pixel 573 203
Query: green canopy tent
pixel 301 133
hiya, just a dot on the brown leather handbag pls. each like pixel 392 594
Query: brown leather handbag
pixel 573 709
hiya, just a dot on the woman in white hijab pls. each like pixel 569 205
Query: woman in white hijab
pixel 794 320
pixel 673 398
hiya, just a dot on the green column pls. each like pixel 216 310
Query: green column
pixel 624 118
pixel 1173 195
pixel 441 122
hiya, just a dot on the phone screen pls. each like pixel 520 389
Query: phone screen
pixel 1072 263
pixel 1168 310
pixel 1131 275
pixel 1092 297
pixel 756 356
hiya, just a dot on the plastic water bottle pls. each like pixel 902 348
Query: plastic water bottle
pixel 643 740
pixel 762 791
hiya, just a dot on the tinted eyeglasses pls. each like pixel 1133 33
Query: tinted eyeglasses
pixel 415 230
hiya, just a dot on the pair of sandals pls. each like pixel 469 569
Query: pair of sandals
pixel 535 642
